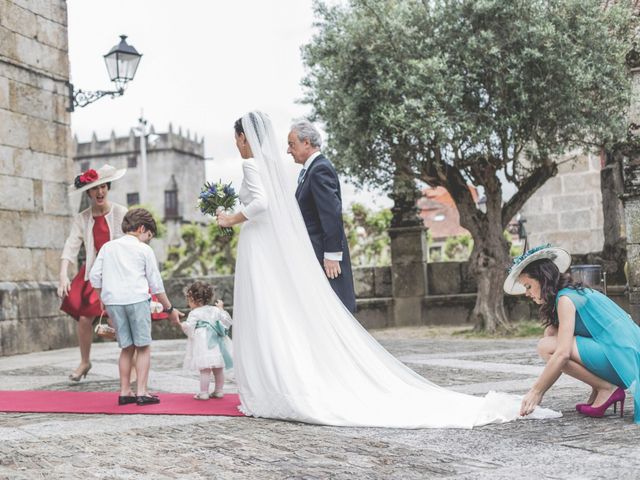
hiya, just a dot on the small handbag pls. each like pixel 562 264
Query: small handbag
pixel 105 331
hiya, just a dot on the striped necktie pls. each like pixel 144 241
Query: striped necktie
pixel 301 175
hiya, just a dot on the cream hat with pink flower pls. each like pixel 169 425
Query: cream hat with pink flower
pixel 92 178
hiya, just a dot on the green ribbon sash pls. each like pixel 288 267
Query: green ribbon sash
pixel 215 336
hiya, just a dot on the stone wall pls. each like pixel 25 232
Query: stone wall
pixel 372 287
pixel 452 295
pixel 567 210
pixel 30 319
pixel 35 160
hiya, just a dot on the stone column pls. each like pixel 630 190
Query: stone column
pixel 408 274
pixel 408 247
pixel 614 250
pixel 631 200
pixel 35 168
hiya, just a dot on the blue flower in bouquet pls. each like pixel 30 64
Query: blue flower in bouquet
pixel 229 190
pixel 209 190
pixel 215 196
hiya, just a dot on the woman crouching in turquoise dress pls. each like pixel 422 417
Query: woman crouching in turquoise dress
pixel 587 335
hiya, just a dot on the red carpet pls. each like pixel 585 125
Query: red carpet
pixel 47 401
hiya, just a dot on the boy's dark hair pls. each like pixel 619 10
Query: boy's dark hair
pixel 136 218
pixel 200 292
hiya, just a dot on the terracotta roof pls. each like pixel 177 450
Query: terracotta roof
pixel 439 212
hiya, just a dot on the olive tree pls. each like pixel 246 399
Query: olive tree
pixel 453 92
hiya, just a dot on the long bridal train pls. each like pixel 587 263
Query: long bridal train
pixel 299 353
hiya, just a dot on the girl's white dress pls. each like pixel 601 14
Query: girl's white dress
pixel 199 355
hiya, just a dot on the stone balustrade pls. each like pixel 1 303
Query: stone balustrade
pixel 30 319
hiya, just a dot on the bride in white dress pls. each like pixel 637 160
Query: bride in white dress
pixel 299 353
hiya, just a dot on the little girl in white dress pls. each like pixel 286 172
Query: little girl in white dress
pixel 209 348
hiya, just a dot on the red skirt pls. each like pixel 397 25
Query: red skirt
pixel 83 300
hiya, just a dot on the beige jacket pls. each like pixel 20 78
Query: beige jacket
pixel 82 232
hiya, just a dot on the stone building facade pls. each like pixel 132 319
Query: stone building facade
pixel 35 138
pixel 567 210
pixel 35 168
pixel 175 175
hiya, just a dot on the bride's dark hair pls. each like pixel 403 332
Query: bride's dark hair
pixel 238 126
pixel 254 120
pixel 551 282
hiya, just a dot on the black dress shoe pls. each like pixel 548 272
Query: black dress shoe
pixel 147 400
pixel 127 399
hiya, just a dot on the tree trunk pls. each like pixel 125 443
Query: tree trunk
pixel 488 263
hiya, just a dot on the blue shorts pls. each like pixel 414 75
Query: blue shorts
pixel 132 323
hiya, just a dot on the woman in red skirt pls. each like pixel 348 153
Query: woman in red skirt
pixel 93 227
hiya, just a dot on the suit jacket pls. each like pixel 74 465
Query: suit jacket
pixel 320 202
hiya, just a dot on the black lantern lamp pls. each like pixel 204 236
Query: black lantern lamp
pixel 122 62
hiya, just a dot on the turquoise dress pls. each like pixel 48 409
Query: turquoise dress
pixel 608 340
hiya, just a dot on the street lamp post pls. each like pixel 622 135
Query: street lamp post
pixel 122 63
pixel 146 135
pixel 142 129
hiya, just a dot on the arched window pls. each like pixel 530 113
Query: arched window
pixel 171 209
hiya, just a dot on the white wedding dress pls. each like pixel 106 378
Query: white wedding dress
pixel 299 353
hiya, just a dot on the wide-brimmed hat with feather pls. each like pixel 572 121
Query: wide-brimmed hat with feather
pixel 559 256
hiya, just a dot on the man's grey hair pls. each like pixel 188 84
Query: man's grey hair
pixel 306 131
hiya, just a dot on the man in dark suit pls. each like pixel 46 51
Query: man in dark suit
pixel 320 201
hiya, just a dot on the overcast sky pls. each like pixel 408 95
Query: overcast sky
pixel 205 64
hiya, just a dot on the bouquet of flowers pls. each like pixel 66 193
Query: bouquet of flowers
pixel 215 197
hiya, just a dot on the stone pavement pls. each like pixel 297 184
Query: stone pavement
pixel 195 447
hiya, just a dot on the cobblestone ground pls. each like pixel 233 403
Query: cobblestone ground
pixel 197 447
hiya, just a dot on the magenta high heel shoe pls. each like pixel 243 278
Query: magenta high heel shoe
pixel 617 396
pixel 579 406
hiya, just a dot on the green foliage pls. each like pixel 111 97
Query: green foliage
pixel 459 91
pixel 435 255
pixel 457 248
pixel 466 83
pixel 204 250
pixel 367 235
pixel 514 250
